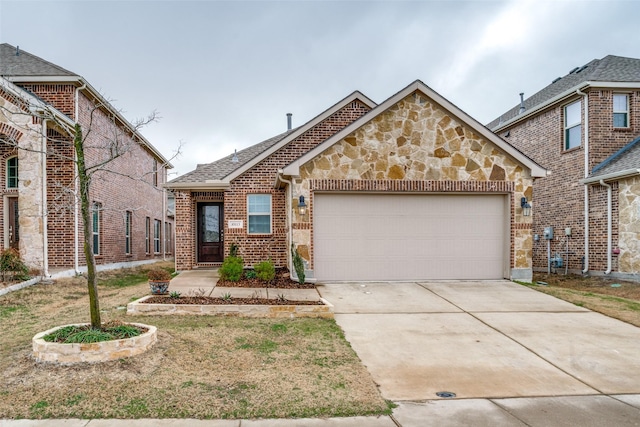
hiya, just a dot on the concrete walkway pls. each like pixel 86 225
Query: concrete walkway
pixel 512 356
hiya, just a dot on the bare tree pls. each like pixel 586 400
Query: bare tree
pixel 94 150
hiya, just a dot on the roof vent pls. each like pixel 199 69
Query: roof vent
pixel 17 50
pixel 235 159
pixel 574 70
pixel 289 121
pixel 581 69
pixel 556 79
pixel 521 103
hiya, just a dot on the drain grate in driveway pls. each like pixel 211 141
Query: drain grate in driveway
pixel 446 394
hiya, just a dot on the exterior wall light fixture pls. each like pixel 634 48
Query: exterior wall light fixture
pixel 526 207
pixel 302 206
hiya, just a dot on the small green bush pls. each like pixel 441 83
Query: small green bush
pixel 231 269
pixel 12 267
pixel 265 270
pixel 233 249
pixel 298 264
pixel 250 274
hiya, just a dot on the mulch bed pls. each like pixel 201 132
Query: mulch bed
pixel 281 281
pixel 201 300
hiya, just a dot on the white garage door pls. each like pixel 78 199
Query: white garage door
pixel 409 237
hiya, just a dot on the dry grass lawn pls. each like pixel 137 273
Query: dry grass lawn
pixel 202 367
pixel 595 293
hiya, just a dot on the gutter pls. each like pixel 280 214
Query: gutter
pixel 207 185
pixel 76 215
pixel 586 174
pixel 289 196
pixel 96 95
pixel 567 93
pixel 613 176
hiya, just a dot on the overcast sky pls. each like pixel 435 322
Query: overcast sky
pixel 223 75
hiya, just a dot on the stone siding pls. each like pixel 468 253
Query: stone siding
pixel 629 230
pixel 117 193
pixel 417 146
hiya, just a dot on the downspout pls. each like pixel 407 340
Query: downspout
pixel 76 233
pixel 45 238
pixel 586 174
pixel 289 221
pixel 608 225
pixel 164 215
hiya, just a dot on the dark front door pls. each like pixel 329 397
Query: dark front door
pixel 14 223
pixel 210 230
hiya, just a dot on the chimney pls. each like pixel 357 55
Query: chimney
pixel 289 121
pixel 521 103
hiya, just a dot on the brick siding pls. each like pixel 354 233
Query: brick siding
pixel 116 192
pixel 558 200
pixel 258 180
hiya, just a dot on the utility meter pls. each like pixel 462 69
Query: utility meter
pixel 548 233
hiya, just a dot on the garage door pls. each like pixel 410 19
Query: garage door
pixel 409 237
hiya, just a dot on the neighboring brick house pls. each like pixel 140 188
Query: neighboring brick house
pixel 412 188
pixel 39 214
pixel 573 127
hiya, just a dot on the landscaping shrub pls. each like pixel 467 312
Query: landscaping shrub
pixel 298 264
pixel 231 268
pixel 250 274
pixel 265 270
pixel 12 267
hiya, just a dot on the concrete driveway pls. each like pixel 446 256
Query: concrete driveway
pixel 495 344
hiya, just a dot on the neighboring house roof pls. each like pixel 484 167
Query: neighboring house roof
pixel 18 66
pixel 220 173
pixel 536 170
pixel 610 71
pixel 623 163
pixel 15 62
pixel 219 169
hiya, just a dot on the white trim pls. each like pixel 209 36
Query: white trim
pixel 613 176
pixel 260 213
pixel 563 95
pixel 293 169
pixel 95 94
pixel 357 95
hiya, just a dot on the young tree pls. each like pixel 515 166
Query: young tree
pixel 94 149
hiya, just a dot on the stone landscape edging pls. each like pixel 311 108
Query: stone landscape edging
pixel 68 354
pixel 324 311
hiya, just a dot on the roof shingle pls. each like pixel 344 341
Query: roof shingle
pixel 627 158
pixel 15 62
pixel 608 69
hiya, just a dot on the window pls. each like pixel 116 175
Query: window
pixel 147 235
pixel 12 172
pixel 155 173
pixel 620 110
pixel 95 227
pixel 167 238
pixel 171 204
pixel 572 125
pixel 127 232
pixel 259 212
pixel 156 236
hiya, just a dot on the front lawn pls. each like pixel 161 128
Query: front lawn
pixel 202 367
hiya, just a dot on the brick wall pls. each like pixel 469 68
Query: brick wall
pixel 558 200
pixel 259 179
pixel 128 186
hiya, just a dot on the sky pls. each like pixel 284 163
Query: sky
pixel 223 75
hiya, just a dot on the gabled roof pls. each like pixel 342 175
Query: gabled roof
pixel 16 62
pixel 220 173
pixel 624 162
pixel 536 170
pixel 17 66
pixel 611 70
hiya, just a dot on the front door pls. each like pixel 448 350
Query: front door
pixel 210 232
pixel 14 227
